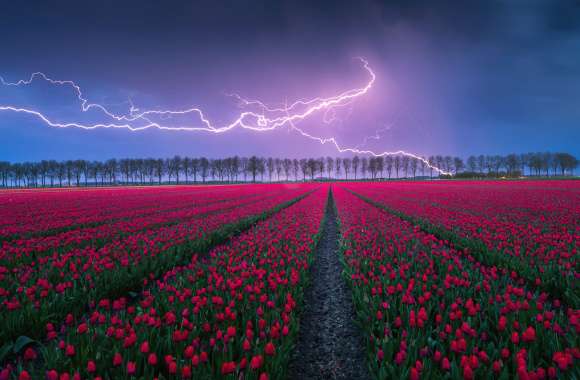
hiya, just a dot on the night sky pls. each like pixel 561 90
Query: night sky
pixel 461 77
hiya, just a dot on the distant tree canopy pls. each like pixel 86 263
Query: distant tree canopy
pixel 187 170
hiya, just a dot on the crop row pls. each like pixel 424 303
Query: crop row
pixel 44 248
pixel 69 281
pixel 536 232
pixel 232 314
pixel 432 311
pixel 45 213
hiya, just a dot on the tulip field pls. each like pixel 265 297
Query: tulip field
pixel 449 279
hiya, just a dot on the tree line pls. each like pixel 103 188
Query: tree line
pixel 185 170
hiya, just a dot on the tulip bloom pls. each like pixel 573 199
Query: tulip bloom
pixel 228 367
pixel 152 359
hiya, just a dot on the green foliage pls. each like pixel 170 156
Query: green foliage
pixel 551 282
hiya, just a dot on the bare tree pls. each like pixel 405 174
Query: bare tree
pixel 253 167
pixel 244 167
pixel 312 167
pixel 69 167
pixel 270 167
pixel 159 167
pixel 546 160
pixel 287 165
pixel 423 164
pixel 389 165
pixel 304 168
pixel 472 164
pixel 458 164
pixel 347 163
pixel 489 164
pixel 52 171
pixel 204 168
pixel 431 161
pixel 279 168
pixel 414 165
pixel 176 163
pixel 194 167
pixel 4 172
pixel 498 162
pixel 524 161
pixel 405 163
pixel 329 166
pixel 295 168
pixel 262 167
pixel 512 164
pixel 355 165
pixel 397 165
pixel 481 163
pixel 448 163
pixel 236 167
pixel 186 166
pixel 373 167
pixel 380 165
pixel 364 167
pixel 554 164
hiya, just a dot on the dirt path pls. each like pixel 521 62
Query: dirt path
pixel 330 344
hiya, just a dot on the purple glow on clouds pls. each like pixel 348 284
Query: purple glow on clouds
pixel 459 78
pixel 325 119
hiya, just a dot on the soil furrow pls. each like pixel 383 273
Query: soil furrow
pixel 330 344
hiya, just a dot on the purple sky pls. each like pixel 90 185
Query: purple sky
pixel 461 78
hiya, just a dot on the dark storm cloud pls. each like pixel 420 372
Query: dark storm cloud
pixel 465 76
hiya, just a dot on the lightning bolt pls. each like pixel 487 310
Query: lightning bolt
pixel 266 119
pixel 376 136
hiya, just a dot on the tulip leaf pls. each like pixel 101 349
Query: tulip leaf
pixel 5 351
pixel 21 342
pixel 504 375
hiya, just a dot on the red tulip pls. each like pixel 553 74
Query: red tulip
pixel 228 367
pixel 505 353
pixel 437 356
pixel 29 354
pixel 152 359
pixel 467 373
pixel 131 368
pixel 144 347
pixel 172 367
pixel 529 335
pixel 82 328
pixel 117 359
pixel 195 360
pixel 270 349
pixel 256 362
pixel 70 350
pixel 515 338
pixel 445 365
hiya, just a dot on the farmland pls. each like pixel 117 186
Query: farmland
pixel 444 279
